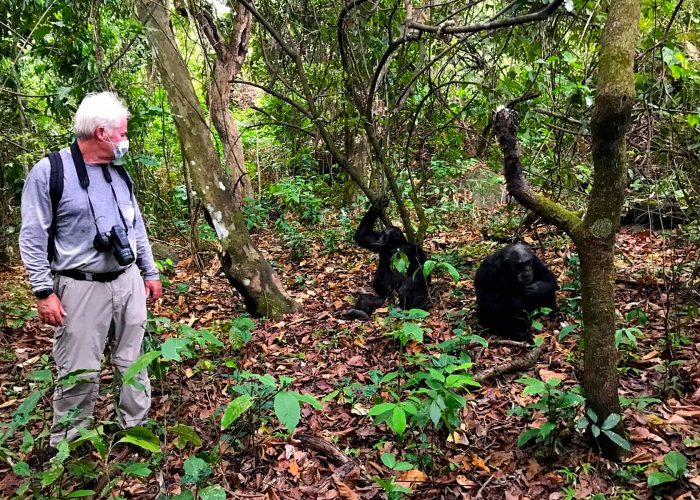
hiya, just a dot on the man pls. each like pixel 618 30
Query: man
pixel 81 265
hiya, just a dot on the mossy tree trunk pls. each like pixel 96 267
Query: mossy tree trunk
pixel 245 267
pixel 594 235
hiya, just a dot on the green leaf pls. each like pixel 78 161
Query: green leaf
pixel 80 494
pixel 398 421
pixel 309 399
pixel 41 376
pixel 138 470
pixel 428 267
pixel 388 459
pixel 287 409
pixel 595 430
pixel 185 434
pixel 610 422
pixel 380 409
pixel 137 367
pixel 566 331
pixel 450 270
pixel 196 470
pixel 235 409
pixel 141 437
pixel 546 429
pixel 21 414
pixel 22 469
pixel 617 439
pixel 658 478
pixel 172 347
pixel 213 492
pixel 413 331
pixel 435 413
pixel 50 476
pixel 527 436
pixel 570 399
pixel 676 463
pixel 403 466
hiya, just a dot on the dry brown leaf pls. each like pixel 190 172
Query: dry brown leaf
pixel 293 468
pixel 344 491
pixel 410 478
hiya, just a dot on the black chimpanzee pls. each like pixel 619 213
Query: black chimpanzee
pixel 510 284
pixel 411 287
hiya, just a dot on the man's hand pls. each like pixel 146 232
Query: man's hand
pixel 51 310
pixel 153 289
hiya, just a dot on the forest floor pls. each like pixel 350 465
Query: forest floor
pixel 324 353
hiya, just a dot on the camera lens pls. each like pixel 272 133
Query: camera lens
pixel 121 249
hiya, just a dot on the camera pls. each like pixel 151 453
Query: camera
pixel 116 240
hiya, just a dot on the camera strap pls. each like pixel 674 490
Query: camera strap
pixel 84 179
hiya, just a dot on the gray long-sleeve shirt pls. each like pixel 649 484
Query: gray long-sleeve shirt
pixel 75 226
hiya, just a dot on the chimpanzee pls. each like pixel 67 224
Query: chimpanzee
pixel 411 287
pixel 510 284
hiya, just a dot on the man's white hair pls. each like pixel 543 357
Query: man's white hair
pixel 98 110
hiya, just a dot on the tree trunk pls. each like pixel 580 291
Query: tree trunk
pixel 230 55
pixel 245 267
pixel 609 123
pixel 594 236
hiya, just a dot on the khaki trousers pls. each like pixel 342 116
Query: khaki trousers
pixel 97 312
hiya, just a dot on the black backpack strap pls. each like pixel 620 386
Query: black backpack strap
pixel 79 165
pixel 55 192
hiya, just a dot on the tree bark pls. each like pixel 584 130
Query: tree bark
pixel 245 267
pixel 230 57
pixel 594 236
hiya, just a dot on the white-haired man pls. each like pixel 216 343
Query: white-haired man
pixel 81 235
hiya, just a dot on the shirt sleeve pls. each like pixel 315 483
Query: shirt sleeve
pixel 144 256
pixel 36 222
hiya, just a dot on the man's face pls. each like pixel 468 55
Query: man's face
pixel 110 137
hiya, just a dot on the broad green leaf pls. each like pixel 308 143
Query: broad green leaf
pixel 213 492
pixel 138 470
pixel 50 476
pixel 388 459
pixel 22 469
pixel 658 478
pixel 398 421
pixel 676 463
pixel 380 409
pixel 450 270
pixel 41 376
pixel 309 399
pixel 428 267
pixel 435 413
pixel 546 429
pixel 137 367
pixel 413 331
pixel 185 434
pixel 610 422
pixel 172 348
pixel 287 409
pixel 196 470
pixel 141 437
pixel 617 439
pixel 80 494
pixel 235 409
pixel 527 436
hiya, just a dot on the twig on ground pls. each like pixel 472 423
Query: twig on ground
pixel 515 365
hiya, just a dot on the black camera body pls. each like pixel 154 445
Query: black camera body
pixel 117 241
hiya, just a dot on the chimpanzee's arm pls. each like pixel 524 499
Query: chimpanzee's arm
pixel 366 236
pixel 544 280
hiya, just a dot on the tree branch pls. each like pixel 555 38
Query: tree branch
pixel 506 128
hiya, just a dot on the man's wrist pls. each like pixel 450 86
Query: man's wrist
pixel 43 293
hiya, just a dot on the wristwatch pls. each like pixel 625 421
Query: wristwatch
pixel 42 294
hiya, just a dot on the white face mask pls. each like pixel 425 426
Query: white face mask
pixel 121 148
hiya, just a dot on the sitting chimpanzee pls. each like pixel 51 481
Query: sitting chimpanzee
pixel 510 284
pixel 411 286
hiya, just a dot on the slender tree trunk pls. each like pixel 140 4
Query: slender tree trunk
pixel 609 124
pixel 245 267
pixel 594 236
pixel 230 55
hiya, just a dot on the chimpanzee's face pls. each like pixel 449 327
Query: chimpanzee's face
pixel 522 271
pixel 520 261
pixel 391 238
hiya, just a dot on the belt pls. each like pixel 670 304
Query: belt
pixel 101 277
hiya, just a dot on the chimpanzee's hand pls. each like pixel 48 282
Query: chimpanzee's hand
pixel 380 203
pixel 532 290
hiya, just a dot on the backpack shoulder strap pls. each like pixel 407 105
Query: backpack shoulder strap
pixel 125 175
pixel 55 193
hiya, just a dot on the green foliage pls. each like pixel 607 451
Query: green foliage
pixel 558 406
pixel 590 421
pixel 674 467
